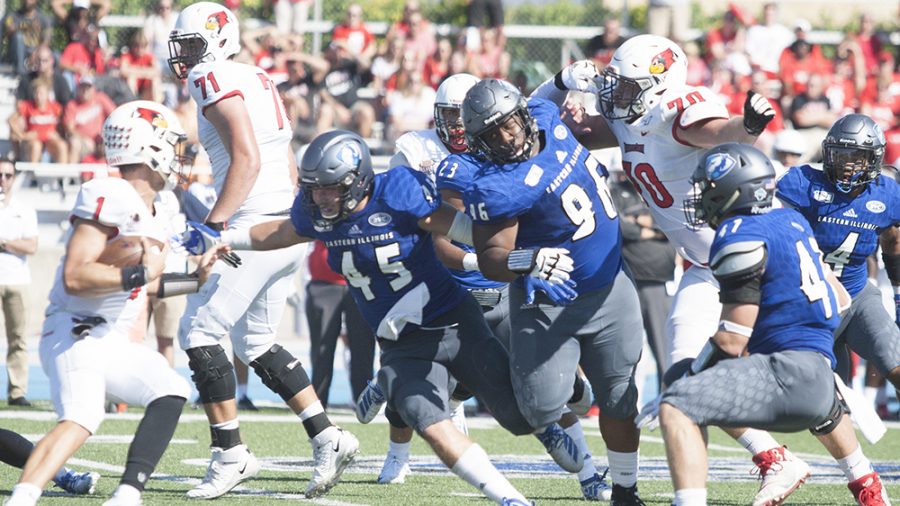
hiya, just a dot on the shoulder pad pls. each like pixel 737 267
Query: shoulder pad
pixel 739 259
pixel 108 201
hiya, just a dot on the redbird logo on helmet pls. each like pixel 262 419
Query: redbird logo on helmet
pixel 661 62
pixel 217 21
pixel 150 116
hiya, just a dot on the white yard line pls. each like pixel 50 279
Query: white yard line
pixel 111 439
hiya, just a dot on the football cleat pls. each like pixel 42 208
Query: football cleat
pixel 333 450
pixel 78 483
pixel 625 496
pixel 458 415
pixel 562 448
pixel 595 488
pixel 394 470
pixel 246 404
pixel 868 491
pixel 117 500
pixel 369 403
pixel 582 405
pixel 507 501
pixel 227 469
pixel 781 472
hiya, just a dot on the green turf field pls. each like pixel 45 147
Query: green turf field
pixel 278 440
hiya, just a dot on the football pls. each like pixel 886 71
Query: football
pixel 123 251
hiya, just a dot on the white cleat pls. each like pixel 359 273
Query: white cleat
pixel 116 500
pixel 394 470
pixel 562 448
pixel 458 416
pixel 333 450
pixel 227 469
pixel 781 472
pixel 370 402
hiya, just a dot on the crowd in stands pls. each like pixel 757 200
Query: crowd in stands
pixel 383 87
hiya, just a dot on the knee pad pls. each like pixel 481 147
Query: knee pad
pixel 213 373
pixel 838 409
pixel 281 372
pixel 620 402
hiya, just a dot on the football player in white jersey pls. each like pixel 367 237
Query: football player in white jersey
pixel 663 127
pixel 244 128
pixel 424 150
pixel 84 348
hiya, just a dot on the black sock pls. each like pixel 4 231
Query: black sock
pixel 316 424
pixel 578 393
pixel 151 439
pixel 225 438
pixel 14 449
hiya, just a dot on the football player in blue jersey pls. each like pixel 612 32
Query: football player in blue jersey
pixel 538 188
pixel 377 230
pixel 780 306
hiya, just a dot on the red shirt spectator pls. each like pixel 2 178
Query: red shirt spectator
pixel 799 61
pixel 358 39
pixel 42 120
pixel 437 66
pixel 83 57
pixel 868 43
pixel 319 270
pixel 892 149
pixel 86 114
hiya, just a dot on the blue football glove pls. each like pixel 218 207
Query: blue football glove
pixel 562 294
pixel 199 238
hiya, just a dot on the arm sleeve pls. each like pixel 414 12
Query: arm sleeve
pixel 738 267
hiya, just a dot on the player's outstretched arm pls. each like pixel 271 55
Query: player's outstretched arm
pixel 264 236
pixel 447 221
pixel 232 122
pixel 84 276
pixel 448 253
pixel 758 112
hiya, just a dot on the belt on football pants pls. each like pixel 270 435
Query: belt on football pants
pixel 487 297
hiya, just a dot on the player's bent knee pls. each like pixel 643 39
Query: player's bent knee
pixel 620 401
pixel 831 422
pixel 213 373
pixel 281 372
pixel 394 418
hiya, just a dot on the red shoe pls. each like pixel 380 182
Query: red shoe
pixel 868 491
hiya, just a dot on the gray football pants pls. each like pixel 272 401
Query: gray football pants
pixel 869 331
pixel 601 330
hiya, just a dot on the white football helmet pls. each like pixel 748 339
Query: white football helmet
pixel 204 31
pixel 642 68
pixel 447 111
pixel 145 132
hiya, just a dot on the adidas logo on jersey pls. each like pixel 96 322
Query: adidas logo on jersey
pixel 851 214
pixel 355 230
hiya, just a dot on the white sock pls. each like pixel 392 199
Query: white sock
pixel 25 493
pixel 242 391
pixel 229 425
pixel 311 411
pixel 576 432
pixel 690 497
pixel 871 395
pixel 476 469
pixel 757 441
pixel 127 492
pixel 855 465
pixel 623 468
pixel 399 450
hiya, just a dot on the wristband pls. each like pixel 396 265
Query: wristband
pixel 558 81
pixel 218 226
pixel 238 238
pixel 175 283
pixel 134 276
pixel 521 261
pixel 470 262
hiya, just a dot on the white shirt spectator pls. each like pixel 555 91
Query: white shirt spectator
pixel 19 222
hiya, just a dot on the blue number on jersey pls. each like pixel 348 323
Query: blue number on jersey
pixel 456 172
pixel 798 308
pixel 383 253
pixel 847 229
pixel 560 199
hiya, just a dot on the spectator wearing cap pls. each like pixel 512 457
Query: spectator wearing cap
pixel 600 48
pixel 766 40
pixel 84 56
pixel 24 30
pixel 340 106
pixel 18 240
pixel 788 150
pixel 800 60
pixel 43 65
pixel 76 15
pixel 291 15
pixel 83 119
pixel 356 39
pixel 34 126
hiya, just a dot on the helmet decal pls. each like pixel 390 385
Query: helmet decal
pixel 350 154
pixel 217 21
pixel 719 165
pixel 150 116
pixel 661 63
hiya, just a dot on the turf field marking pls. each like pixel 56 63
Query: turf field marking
pixel 111 439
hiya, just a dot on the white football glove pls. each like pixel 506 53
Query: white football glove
pixel 549 264
pixel 649 415
pixel 758 113
pixel 579 76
